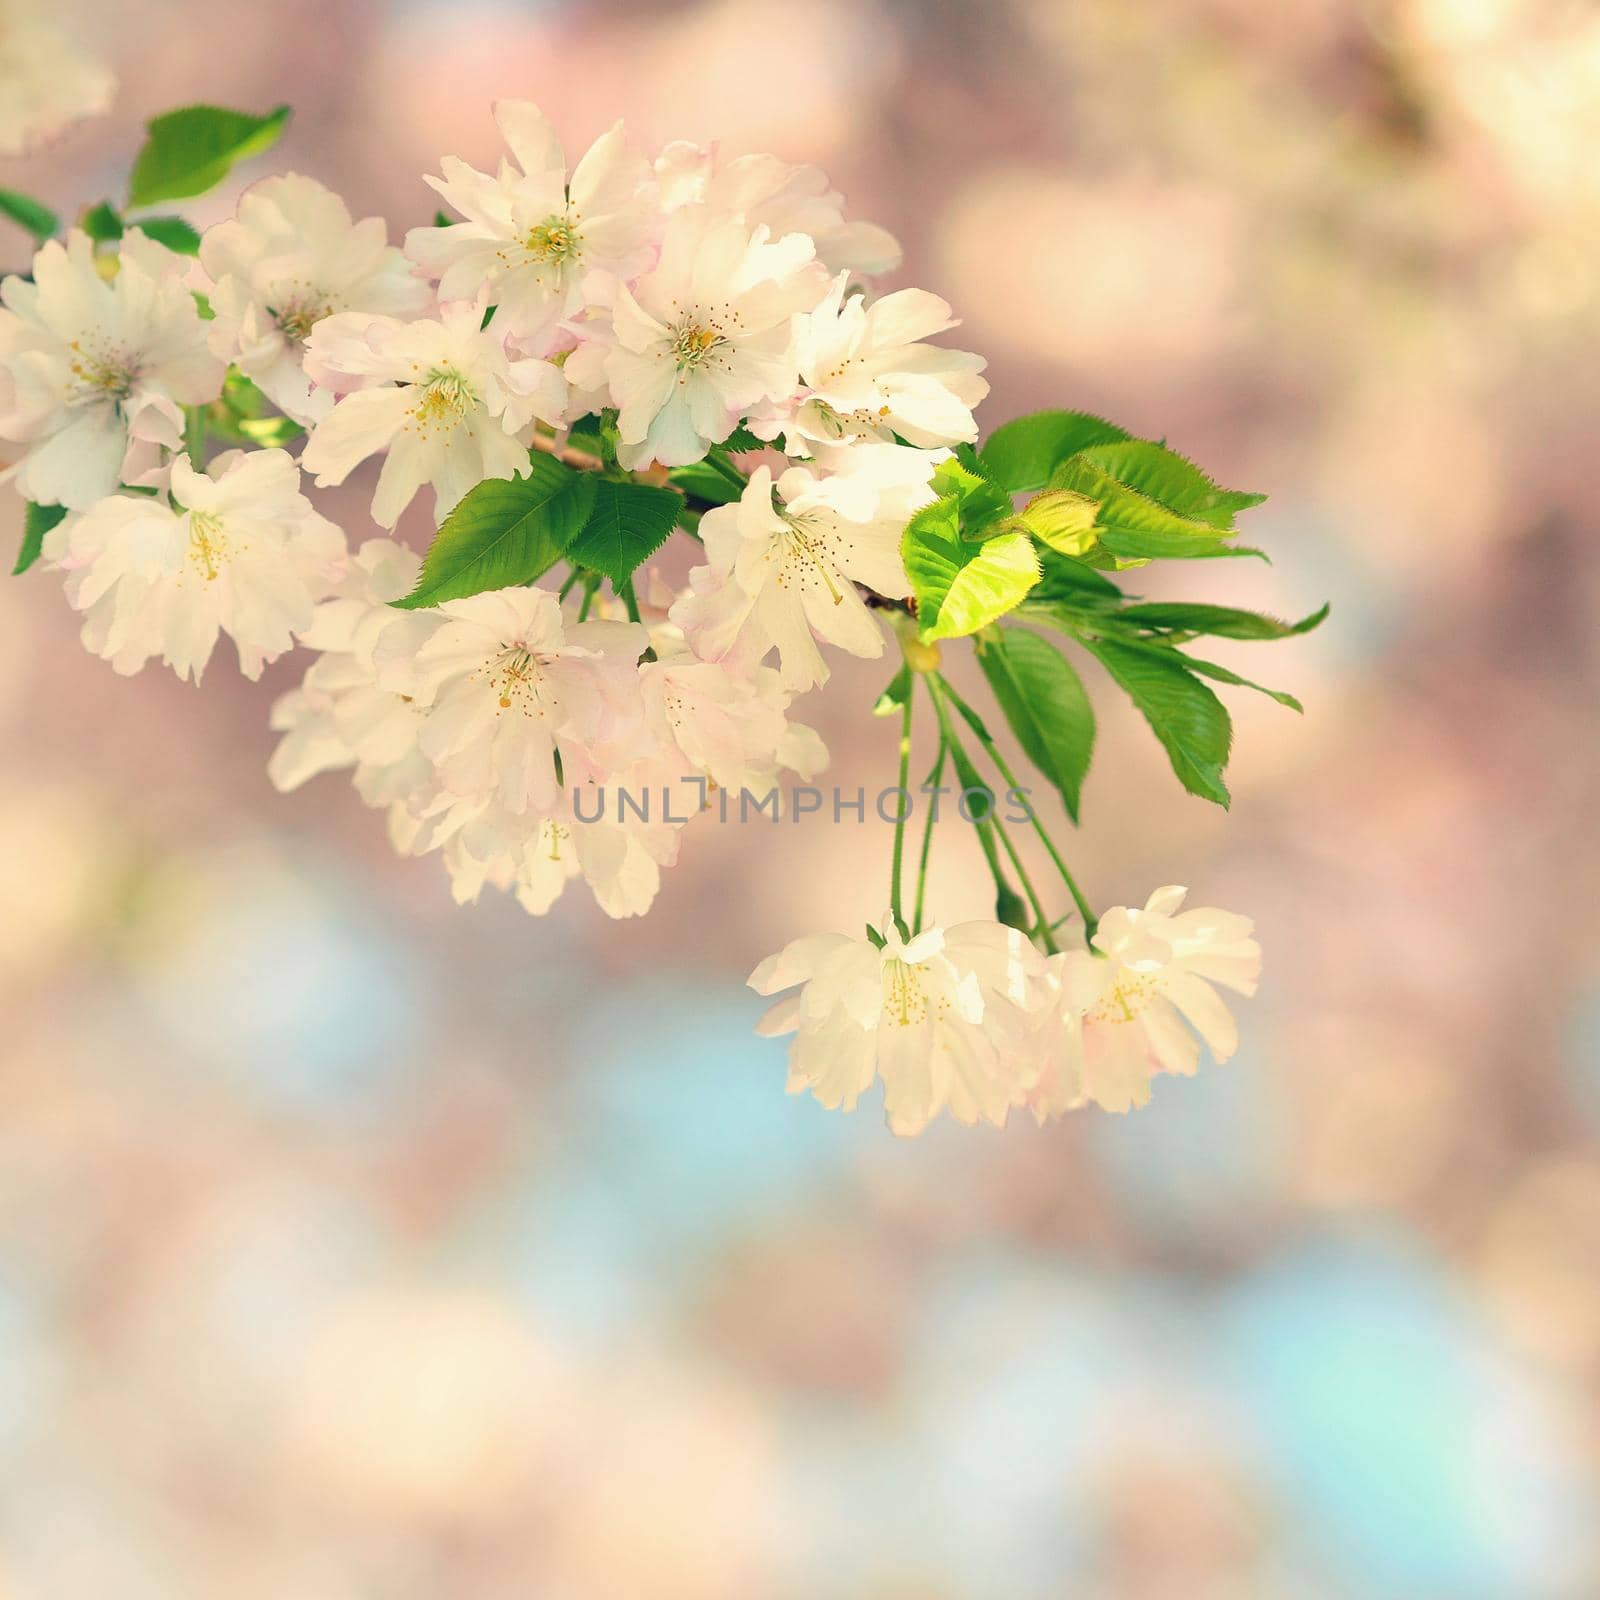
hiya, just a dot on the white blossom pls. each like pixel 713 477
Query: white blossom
pixel 938 1017
pixel 866 372
pixel 505 686
pixel 95 371
pixel 702 338
pixel 531 237
pixel 291 257
pixel 48 80
pixel 786 199
pixel 440 397
pixel 242 553
pixel 1117 1013
pixel 783 574
pixel 341 717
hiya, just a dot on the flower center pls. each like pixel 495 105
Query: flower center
pixel 297 319
pixel 554 241
pixel 209 545
pixel 446 399
pixel 101 374
pixel 517 681
pixel 693 343
pixel 1126 998
pixel 905 1002
pixel 806 552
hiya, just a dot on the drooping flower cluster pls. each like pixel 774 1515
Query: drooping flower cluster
pixel 639 318
pixel 971 1019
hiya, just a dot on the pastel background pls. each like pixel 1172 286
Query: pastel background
pixel 356 1247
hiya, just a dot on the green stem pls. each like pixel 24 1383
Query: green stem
pixel 900 820
pixel 726 468
pixel 927 834
pixel 194 436
pixel 629 599
pixel 975 722
pixel 590 584
pixel 990 828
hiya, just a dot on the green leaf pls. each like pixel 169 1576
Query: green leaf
pixel 1220 622
pixel 1070 580
pixel 982 503
pixel 37 521
pixel 1171 480
pixel 1132 525
pixel 190 151
pixel 1044 701
pixel 626 525
pixel 961 586
pixel 705 482
pixel 1190 721
pixel 173 232
pixel 506 531
pixel 1062 519
pixel 895 694
pixel 440 220
pixel 1210 669
pixel 741 439
pixel 102 223
pixel 1022 454
pixel 39 220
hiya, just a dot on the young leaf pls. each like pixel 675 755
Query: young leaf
pixel 1132 525
pixel 173 232
pixel 1062 519
pixel 39 220
pixel 1190 721
pixel 1044 701
pixel 981 501
pixel 506 531
pixel 627 524
pixel 102 223
pixel 1171 480
pixel 1220 622
pixel 190 151
pixel 962 586
pixel 37 521
pixel 741 439
pixel 1022 454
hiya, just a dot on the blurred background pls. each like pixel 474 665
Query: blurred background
pixel 357 1247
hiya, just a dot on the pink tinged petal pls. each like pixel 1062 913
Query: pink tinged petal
pixel 782 1016
pixel 1205 1011
pixel 360 425
pixel 529 136
pixel 797 962
pixel 80 464
pixel 1174 1047
pixel 1116 1066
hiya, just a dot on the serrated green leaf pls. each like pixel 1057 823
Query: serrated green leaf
pixel 1210 669
pixel 1220 622
pixel 741 439
pixel 705 482
pixel 189 151
pixel 1021 454
pixel 1132 526
pixel 37 521
pixel 1044 701
pixel 627 523
pixel 982 503
pixel 28 213
pixel 1063 519
pixel 1069 579
pixel 895 694
pixel 173 232
pixel 506 531
pixel 1190 721
pixel 961 586
pixel 1170 480
pixel 102 223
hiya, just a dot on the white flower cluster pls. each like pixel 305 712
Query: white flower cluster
pixel 973 1020
pixel 680 300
